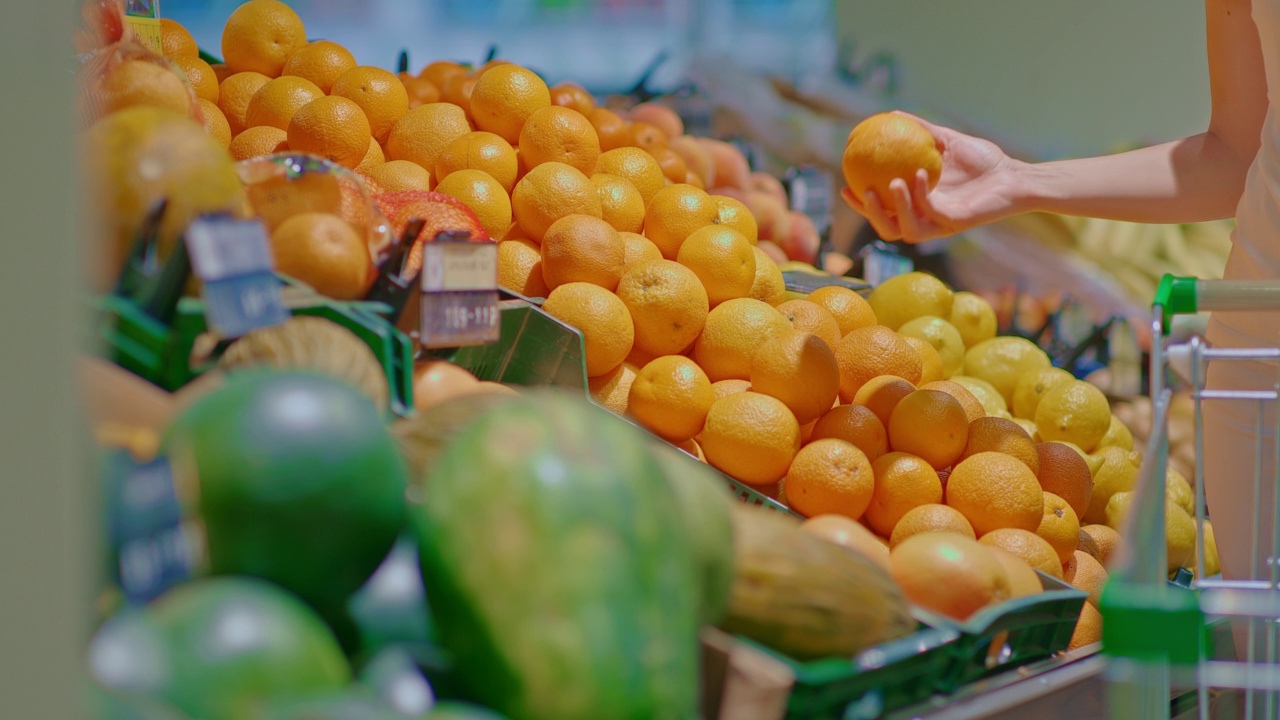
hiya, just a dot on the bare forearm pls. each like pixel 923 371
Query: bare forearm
pixel 1191 180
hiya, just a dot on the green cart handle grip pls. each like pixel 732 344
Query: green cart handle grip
pixel 1187 295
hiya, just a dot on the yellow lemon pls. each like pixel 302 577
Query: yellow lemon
pixel 1002 361
pixel 973 317
pixel 1075 412
pixel 991 399
pixel 1033 386
pixel 906 297
pixel 1117 435
pixel 1117 473
pixel 1177 489
pixel 944 338
pixel 1211 564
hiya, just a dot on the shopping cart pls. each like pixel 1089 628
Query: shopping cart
pixel 1156 634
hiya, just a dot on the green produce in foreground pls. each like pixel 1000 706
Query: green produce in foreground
pixel 218 648
pixel 562 582
pixel 354 703
pixel 704 503
pixel 300 483
pixel 806 597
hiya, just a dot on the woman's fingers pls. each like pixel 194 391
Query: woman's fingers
pixel 886 227
pixel 923 202
pixel 905 209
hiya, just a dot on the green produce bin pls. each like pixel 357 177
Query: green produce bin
pixel 880 680
pixel 1011 634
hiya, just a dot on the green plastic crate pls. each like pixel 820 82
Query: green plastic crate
pixel 1013 633
pixel 877 681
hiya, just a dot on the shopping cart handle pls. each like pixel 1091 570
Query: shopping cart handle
pixel 1188 295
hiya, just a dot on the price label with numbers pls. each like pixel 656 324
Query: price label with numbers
pixel 459 293
pixel 233 261
pixel 143 18
pixel 155 541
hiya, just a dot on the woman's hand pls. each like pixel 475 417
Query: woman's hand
pixel 979 184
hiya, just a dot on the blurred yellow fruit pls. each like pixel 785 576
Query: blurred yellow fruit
pixel 973 317
pixel 1075 412
pixel 1002 361
pixel 1033 386
pixel 944 338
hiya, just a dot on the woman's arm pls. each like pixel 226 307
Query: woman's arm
pixel 1193 179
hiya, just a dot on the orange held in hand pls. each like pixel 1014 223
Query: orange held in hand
pixel 885 147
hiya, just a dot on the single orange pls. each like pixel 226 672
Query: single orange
pixel 550 192
pixel 933 517
pixel 573 96
pixel 1088 628
pixel 324 251
pixel 423 133
pixel 420 91
pixel 769 286
pixel 557 134
pixel 639 247
pixel 851 310
pixel 732 212
pixel 667 303
pixel 483 194
pixel 647 137
pixel 1106 539
pixel 733 331
pixel 504 97
pixel 234 95
pixel 886 146
pixel 258 141
pixel 799 369
pixel 993 434
pixel 373 158
pixel 672 165
pixel 722 259
pixel 200 75
pixel 930 360
pixel 276 102
pixel 332 127
pixel 614 132
pixel 1065 473
pixel 606 326
pixel 1087 574
pixel 322 62
pixel 874 350
pixel 751 437
pixel 260 35
pixel 216 123
pixel 620 204
pixel 142 82
pixel 949 574
pixel 439 72
pixel 854 424
pixel 929 424
pixel 881 394
pixel 972 405
pixel 830 477
pixel 848 533
pixel 612 389
pixel 457 91
pixel 176 40
pixel 580 248
pixel 903 482
pixel 640 168
pixel 379 93
pixel 1024 544
pixel 811 317
pixel 994 491
pixel 480 151
pixel 671 397
pixel 675 213
pixel 520 268
pixel 398 175
pixel 1060 527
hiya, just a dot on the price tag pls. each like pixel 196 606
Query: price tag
pixel 233 261
pixel 882 262
pixel 143 18
pixel 154 543
pixel 459 293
